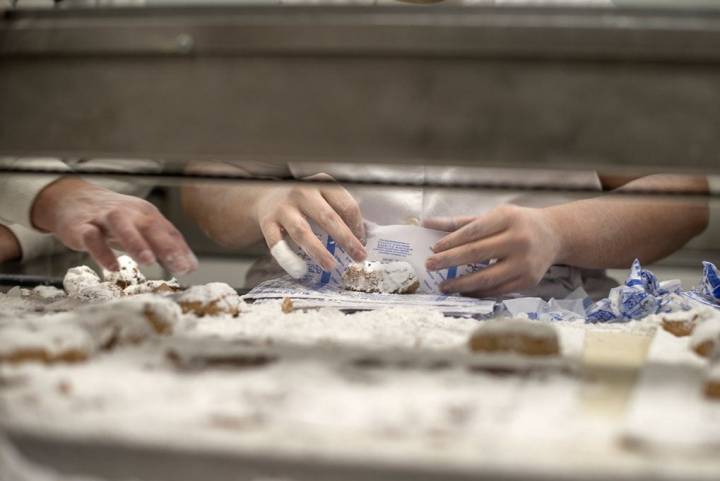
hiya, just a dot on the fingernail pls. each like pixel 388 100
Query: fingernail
pixel 146 257
pixel 430 264
pixel 434 248
pixel 445 288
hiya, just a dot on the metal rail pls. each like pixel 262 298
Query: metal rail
pixel 538 87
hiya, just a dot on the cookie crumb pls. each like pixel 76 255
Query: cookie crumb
pixel 287 305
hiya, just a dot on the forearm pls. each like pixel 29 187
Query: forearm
pixel 611 232
pixel 225 213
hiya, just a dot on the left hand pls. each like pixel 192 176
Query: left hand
pixel 524 241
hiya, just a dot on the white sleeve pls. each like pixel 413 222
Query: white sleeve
pixel 122 185
pixel 17 193
pixel 33 243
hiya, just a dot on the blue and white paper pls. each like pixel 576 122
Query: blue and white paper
pixel 708 292
pixel 641 296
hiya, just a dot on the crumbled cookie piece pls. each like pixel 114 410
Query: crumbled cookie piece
pixel 214 299
pixel 517 336
pixel 287 305
pixel 385 277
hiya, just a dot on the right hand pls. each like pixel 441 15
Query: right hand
pixel 89 218
pixel 288 209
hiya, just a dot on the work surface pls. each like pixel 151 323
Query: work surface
pixel 394 392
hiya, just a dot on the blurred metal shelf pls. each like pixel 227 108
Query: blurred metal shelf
pixel 623 89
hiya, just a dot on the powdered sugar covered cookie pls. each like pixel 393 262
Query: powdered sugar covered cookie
pixel 395 277
pixel 130 320
pixel 47 293
pixel 153 287
pixel 683 323
pixel 48 343
pixel 215 298
pixel 103 292
pixel 517 336
pixel 79 278
pixel 128 275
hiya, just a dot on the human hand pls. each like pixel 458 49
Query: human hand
pixel 9 245
pixel 288 209
pixel 88 218
pixel 524 241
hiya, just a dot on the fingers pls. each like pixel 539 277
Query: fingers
pixel 447 224
pixel 299 231
pixel 320 211
pixel 169 246
pixel 495 247
pixel 347 208
pixel 121 228
pixel 93 241
pixel 483 226
pixel 485 280
pixel 272 233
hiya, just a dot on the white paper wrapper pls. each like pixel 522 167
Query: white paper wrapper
pixel 407 243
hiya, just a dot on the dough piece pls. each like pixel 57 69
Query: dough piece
pixel 128 275
pixel 706 336
pixel 79 278
pixel 682 323
pixel 46 343
pixel 518 336
pixel 214 299
pixel 385 277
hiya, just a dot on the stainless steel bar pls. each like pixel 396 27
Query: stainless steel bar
pixel 560 87
pixel 117 461
pixel 179 178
